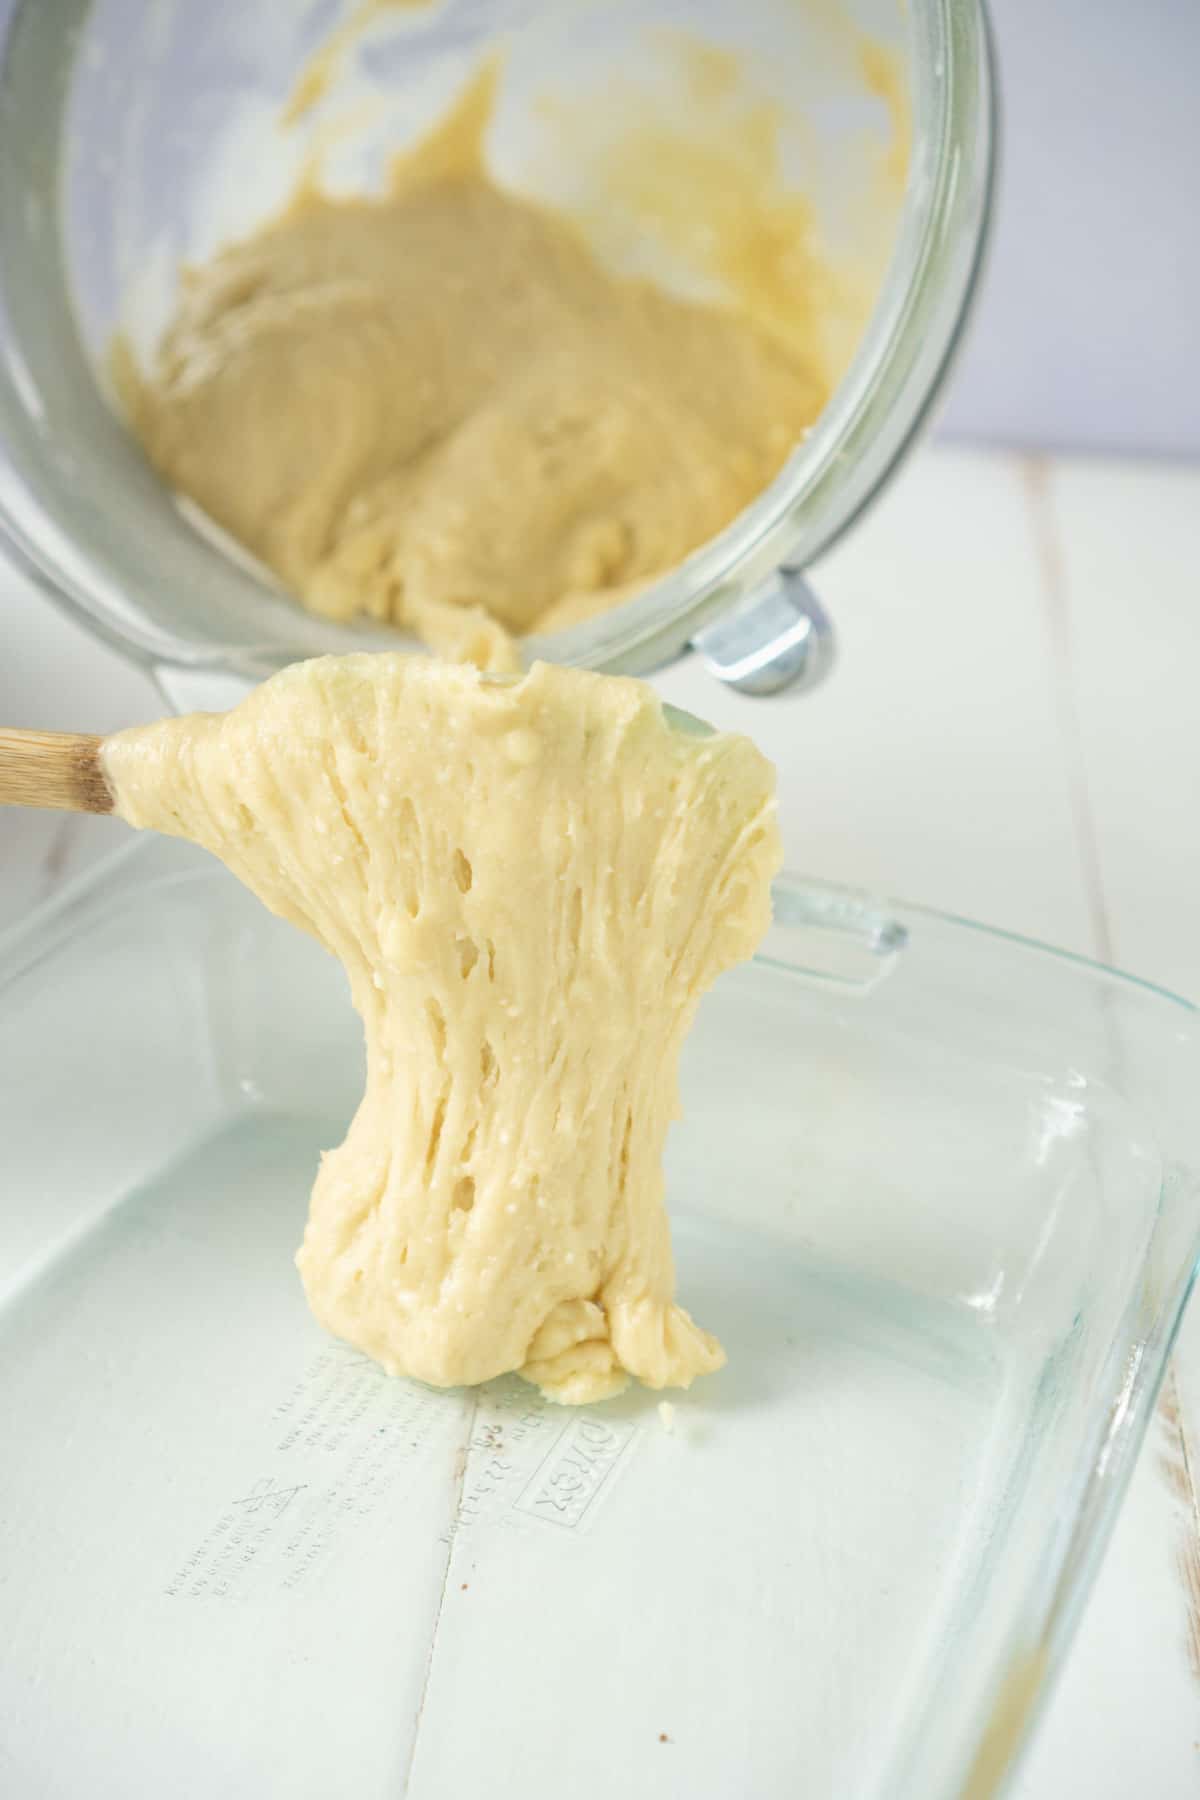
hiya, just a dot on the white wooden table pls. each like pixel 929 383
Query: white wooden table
pixel 1012 733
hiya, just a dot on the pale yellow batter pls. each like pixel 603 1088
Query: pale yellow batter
pixel 437 408
pixel 530 886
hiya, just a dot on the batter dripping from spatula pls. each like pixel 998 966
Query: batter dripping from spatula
pixel 529 886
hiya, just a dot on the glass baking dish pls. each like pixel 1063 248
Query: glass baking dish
pixel 936 1189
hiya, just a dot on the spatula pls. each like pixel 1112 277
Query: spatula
pixel 53 768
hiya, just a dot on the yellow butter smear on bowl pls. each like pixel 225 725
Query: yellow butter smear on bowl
pixel 529 886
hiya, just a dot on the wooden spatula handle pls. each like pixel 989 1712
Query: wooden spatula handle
pixel 53 768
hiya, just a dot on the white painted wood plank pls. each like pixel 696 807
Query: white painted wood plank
pixel 1127 542
pixel 929 765
pixel 1130 550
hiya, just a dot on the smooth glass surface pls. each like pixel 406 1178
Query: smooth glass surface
pixel 936 1189
pixel 108 113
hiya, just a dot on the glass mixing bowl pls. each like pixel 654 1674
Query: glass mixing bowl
pixel 108 115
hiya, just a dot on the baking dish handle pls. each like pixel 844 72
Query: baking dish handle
pixel 832 936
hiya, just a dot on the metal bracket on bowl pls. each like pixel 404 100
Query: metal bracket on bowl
pixel 781 638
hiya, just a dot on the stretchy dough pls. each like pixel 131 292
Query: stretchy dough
pixel 530 886
pixel 436 408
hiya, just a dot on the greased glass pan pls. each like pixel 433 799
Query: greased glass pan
pixel 935 1188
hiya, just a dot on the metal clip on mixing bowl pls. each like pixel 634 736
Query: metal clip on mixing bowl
pixel 783 638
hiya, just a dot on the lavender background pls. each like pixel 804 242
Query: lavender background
pixel 1088 332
